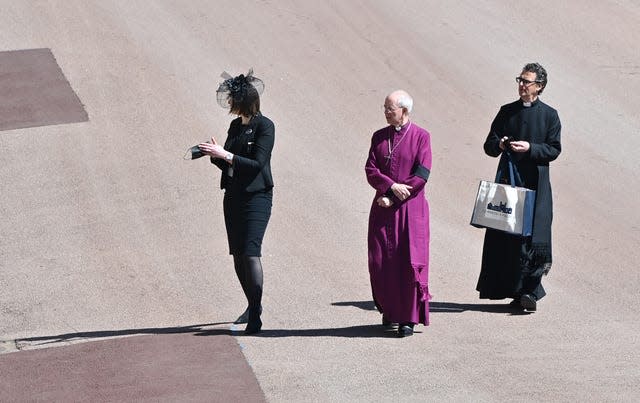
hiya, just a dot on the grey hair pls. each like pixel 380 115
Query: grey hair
pixel 404 100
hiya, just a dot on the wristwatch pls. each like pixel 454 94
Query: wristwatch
pixel 228 157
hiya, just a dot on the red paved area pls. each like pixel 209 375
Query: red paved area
pixel 182 367
pixel 35 92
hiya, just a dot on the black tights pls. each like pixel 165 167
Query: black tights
pixel 249 272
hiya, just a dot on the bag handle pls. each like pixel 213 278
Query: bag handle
pixel 514 175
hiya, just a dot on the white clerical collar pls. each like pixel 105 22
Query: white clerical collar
pixel 398 128
pixel 526 104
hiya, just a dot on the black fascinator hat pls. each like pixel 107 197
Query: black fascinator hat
pixel 236 89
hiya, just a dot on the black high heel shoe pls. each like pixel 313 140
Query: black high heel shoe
pixel 254 324
pixel 253 327
pixel 244 318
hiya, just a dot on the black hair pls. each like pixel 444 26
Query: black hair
pixel 541 74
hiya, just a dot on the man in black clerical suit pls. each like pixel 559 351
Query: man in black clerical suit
pixel 529 131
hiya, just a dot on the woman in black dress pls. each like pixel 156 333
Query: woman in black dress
pixel 247 181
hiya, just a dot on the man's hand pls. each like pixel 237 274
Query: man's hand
pixel 520 146
pixel 384 201
pixel 401 190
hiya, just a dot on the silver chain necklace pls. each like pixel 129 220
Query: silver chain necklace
pixel 392 149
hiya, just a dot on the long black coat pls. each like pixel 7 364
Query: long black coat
pixel 505 256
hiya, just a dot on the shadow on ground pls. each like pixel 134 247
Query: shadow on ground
pixel 358 331
pixel 452 307
pixel 444 307
pixel 361 331
pixel 102 334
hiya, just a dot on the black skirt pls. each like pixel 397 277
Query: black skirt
pixel 246 216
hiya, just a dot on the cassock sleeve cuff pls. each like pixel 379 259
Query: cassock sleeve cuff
pixel 389 193
pixel 421 171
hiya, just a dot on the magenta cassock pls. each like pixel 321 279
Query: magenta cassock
pixel 398 237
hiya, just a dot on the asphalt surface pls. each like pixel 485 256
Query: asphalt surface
pixel 107 232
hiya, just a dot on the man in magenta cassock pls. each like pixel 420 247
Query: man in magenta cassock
pixel 398 167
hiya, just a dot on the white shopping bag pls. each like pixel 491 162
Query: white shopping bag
pixel 504 207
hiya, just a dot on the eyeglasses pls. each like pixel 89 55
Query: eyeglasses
pixel 390 108
pixel 526 82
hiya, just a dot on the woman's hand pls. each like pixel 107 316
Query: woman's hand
pixel 213 149
pixel 384 201
pixel 401 190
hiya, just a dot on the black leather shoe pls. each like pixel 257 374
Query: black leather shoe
pixel 387 323
pixel 244 318
pixel 515 304
pixel 528 302
pixel 405 330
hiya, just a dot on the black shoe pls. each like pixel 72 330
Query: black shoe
pixel 244 318
pixel 528 302
pixel 387 323
pixel 405 329
pixel 254 326
pixel 515 304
